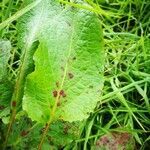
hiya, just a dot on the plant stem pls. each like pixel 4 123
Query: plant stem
pixel 48 123
pixel 9 128
pixel 43 136
pixel 52 113
pixel 17 95
pixel 23 71
pixel 19 86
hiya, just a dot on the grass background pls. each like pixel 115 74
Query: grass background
pixel 125 102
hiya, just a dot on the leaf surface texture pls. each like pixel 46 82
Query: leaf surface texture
pixel 68 65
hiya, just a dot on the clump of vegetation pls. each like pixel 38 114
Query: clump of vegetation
pixel 75 74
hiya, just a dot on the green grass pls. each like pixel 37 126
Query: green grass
pixel 125 102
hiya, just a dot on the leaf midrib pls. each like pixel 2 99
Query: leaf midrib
pixel 64 76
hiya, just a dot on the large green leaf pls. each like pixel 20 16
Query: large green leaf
pixel 5 85
pixel 69 60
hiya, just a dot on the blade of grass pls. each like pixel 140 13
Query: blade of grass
pixel 142 93
pixel 123 101
pixel 88 131
pixel 19 14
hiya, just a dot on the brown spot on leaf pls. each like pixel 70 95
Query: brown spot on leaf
pixel 13 103
pixel 55 93
pixel 49 138
pixel 65 131
pixel 105 140
pixel 57 84
pixel 124 137
pixel 42 130
pixel 66 128
pixel 46 125
pixel 58 104
pixel 1 107
pixel 70 75
pixel 62 93
pixel 24 133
